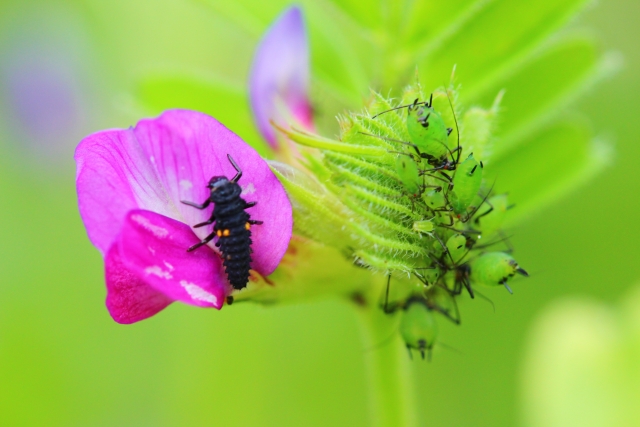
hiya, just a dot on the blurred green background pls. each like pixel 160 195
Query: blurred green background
pixel 67 68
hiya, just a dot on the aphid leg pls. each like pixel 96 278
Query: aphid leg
pixel 451 223
pixel 386 295
pixel 444 248
pixel 411 106
pixel 203 242
pixel 477 220
pixel 487 300
pixel 467 286
pixel 255 221
pixel 455 318
pixel 195 205
pixel 410 353
pixel 248 205
pixel 207 222
pixel 449 187
pixel 237 168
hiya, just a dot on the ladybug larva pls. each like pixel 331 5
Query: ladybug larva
pixel 232 226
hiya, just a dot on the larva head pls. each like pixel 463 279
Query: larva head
pixel 418 326
pixel 222 189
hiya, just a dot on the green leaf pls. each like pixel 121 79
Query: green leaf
pixel 546 84
pixel 222 100
pixel 550 163
pixel 499 37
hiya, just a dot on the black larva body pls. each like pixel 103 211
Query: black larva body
pixel 232 226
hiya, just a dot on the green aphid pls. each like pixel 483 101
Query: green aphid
pixel 429 134
pixel 408 173
pixel 490 219
pixel 425 226
pixel 418 326
pixel 434 199
pixel 466 184
pixel 427 130
pixel 456 245
pixel 495 269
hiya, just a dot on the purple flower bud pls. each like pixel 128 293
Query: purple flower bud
pixel 279 80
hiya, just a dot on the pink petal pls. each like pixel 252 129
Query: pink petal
pixel 279 80
pixel 114 175
pixel 162 161
pixel 189 148
pixel 154 249
pixel 129 298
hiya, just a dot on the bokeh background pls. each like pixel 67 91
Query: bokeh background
pixel 69 68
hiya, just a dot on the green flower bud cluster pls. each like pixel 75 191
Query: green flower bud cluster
pixel 401 192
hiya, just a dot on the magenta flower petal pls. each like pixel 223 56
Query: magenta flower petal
pixel 153 247
pixel 129 298
pixel 130 184
pixel 171 158
pixel 114 175
pixel 187 149
pixel 279 80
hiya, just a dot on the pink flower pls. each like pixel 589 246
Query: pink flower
pixel 130 183
pixel 279 80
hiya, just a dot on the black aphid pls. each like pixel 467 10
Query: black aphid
pixel 232 226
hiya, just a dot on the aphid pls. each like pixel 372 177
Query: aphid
pixel 466 184
pixel 457 247
pixel 232 226
pixel 418 326
pixel 495 269
pixel 407 171
pixel 428 134
pixel 423 226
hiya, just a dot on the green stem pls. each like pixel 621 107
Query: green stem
pixel 391 391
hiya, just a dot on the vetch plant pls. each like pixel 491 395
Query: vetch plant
pixel 402 202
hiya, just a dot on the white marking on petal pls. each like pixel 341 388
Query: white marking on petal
pixel 153 251
pixel 169 266
pixel 186 184
pixel 153 160
pixel 248 189
pixel 197 293
pixel 157 231
pixel 156 270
